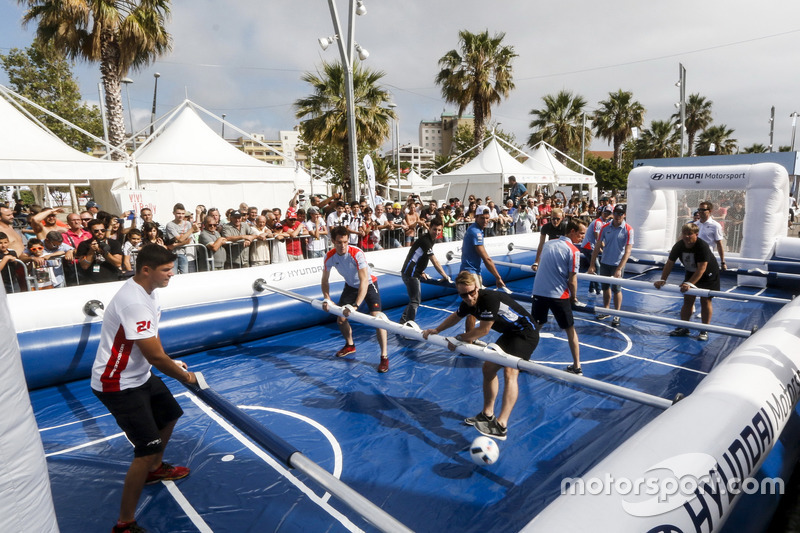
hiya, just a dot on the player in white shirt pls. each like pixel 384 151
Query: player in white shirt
pixel 360 286
pixel 141 404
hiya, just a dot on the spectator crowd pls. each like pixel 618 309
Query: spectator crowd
pixel 44 248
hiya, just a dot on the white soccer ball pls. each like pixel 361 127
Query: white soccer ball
pixel 484 451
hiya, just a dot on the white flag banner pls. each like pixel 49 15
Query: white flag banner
pixel 370 169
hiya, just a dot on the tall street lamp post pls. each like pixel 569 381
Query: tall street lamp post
pixel 155 96
pixel 794 127
pixel 347 49
pixel 127 82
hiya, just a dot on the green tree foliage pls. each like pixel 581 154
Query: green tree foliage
pixel 616 118
pixel 325 109
pixel 698 118
pixel 716 137
pixel 42 75
pixel 662 139
pixel 608 176
pixel 117 34
pixel 756 148
pixel 560 123
pixel 478 74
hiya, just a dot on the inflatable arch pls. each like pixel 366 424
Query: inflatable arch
pixel 653 209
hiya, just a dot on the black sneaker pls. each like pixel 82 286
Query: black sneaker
pixel 679 332
pixel 130 527
pixel 703 336
pixel 601 316
pixel 480 417
pixel 492 429
pixel 615 322
pixel 572 369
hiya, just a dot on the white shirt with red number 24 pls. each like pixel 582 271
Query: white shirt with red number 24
pixel 132 315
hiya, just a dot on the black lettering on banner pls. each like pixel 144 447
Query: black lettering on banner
pixel 703 515
pixel 747 434
pixel 737 446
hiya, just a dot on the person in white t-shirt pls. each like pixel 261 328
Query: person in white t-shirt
pixel 711 231
pixel 318 243
pixel 141 404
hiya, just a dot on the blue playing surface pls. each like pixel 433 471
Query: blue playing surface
pixel 396 438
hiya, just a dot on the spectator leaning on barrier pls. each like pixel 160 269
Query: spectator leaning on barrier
pixel 293 229
pixel 214 242
pixel 180 232
pixel 241 235
pixel 7 261
pixel 315 225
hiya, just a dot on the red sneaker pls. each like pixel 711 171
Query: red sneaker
pixel 384 366
pixel 347 350
pixel 166 472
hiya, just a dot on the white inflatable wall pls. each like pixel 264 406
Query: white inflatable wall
pixel 652 199
pixel 25 500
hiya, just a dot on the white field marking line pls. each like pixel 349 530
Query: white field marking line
pixel 85 445
pixel 72 423
pixel 628 346
pixel 190 511
pixel 618 354
pixel 342 519
pixel 337 450
pixel 435 308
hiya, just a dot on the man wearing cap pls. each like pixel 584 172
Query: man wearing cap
pixel 93 208
pixel 241 235
pixel 293 228
pixel 473 251
pixel 590 240
pixel 613 247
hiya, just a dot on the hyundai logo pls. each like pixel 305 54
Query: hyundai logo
pixel 657 176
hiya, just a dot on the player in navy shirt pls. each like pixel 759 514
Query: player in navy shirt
pixel 416 263
pixel 499 312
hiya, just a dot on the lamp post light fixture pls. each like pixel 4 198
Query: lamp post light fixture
pixel 793 116
pixel 127 82
pixel 155 96
pixel 347 50
pixel 223 125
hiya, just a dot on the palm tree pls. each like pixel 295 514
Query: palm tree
pixel 661 140
pixel 716 140
pixel 326 109
pixel 118 34
pixel 698 117
pixel 560 122
pixel 616 118
pixel 478 74
pixel 756 148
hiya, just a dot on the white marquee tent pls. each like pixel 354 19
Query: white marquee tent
pixel 32 155
pixel 186 161
pixel 488 172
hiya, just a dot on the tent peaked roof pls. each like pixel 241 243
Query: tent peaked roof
pixel 541 156
pixel 493 159
pixel 187 149
pixel 30 154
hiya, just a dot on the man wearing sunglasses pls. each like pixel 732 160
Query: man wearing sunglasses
pixel 211 238
pixel 99 258
pixel 46 221
pixel 496 311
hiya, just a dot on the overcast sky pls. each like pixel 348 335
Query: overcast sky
pixel 244 58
